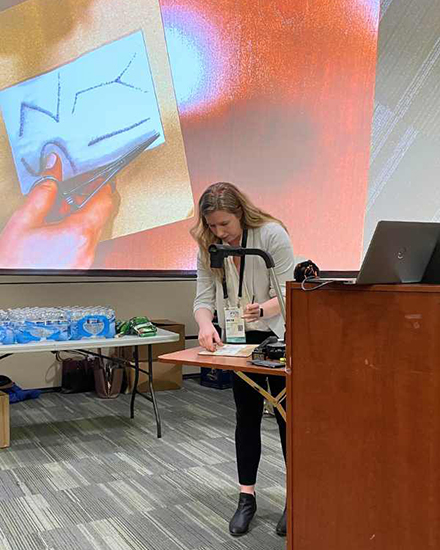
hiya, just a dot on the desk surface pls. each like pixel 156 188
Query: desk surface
pixel 161 337
pixel 192 357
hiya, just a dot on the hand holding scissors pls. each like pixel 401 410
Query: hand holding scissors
pixel 75 192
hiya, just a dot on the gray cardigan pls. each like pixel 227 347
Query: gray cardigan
pixel 271 238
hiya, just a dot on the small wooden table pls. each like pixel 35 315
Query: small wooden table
pixel 240 365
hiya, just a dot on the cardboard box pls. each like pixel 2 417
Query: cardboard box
pixel 165 376
pixel 4 420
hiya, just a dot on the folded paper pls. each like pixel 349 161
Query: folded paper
pixel 90 111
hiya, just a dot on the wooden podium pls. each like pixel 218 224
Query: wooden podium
pixel 363 409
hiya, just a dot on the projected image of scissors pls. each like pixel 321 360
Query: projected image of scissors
pixel 77 191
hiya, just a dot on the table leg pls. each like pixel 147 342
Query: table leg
pixel 276 401
pixel 136 380
pixel 153 395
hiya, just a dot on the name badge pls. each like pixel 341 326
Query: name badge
pixel 234 324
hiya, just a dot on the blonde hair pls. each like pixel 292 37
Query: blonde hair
pixel 228 198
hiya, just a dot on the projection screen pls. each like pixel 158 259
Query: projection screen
pixel 115 116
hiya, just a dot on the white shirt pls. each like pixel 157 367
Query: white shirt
pixel 271 238
pixel 232 284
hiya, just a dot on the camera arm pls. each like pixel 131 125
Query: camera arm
pixel 218 253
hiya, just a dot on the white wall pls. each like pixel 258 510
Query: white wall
pixel 164 299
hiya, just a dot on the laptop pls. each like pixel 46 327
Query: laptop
pixel 399 252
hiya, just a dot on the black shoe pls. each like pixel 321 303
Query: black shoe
pixel 281 528
pixel 247 506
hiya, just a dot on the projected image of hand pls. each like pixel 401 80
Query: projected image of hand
pixel 28 240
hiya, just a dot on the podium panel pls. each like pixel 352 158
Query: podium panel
pixel 363 406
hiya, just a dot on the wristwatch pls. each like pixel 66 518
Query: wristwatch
pixel 261 312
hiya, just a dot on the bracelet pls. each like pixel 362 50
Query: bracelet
pixel 261 312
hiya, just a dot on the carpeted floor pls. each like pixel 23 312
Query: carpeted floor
pixel 81 475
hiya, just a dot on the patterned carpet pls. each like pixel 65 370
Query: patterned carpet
pixel 81 475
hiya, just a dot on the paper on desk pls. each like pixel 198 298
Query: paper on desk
pixel 232 350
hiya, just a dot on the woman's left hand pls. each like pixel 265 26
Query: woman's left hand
pixel 251 313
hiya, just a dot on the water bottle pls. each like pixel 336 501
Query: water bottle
pixel 40 324
pixel 111 316
pixel 57 323
pixel 26 323
pixel 6 329
pixel 90 323
pixel 75 314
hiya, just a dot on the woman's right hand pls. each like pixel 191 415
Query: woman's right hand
pixel 209 338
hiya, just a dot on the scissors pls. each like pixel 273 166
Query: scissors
pixel 77 186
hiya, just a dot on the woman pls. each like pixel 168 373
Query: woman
pixel 226 215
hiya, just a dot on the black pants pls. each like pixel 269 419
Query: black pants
pixel 249 404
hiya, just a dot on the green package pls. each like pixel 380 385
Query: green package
pixel 136 326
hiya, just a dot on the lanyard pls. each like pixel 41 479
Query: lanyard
pixel 242 264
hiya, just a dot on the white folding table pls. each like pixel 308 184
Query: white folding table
pixel 85 346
